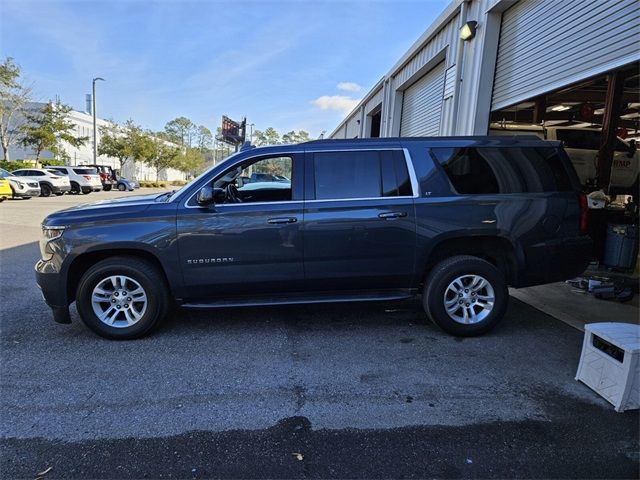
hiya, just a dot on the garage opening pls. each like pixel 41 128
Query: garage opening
pixel 375 121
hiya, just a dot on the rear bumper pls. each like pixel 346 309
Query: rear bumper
pixel 556 260
pixel 61 188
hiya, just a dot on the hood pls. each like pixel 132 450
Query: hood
pixel 102 209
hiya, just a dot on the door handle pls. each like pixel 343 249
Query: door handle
pixel 282 220
pixel 386 215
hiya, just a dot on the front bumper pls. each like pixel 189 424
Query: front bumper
pixel 53 290
pixel 32 192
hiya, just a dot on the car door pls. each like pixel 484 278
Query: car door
pixel 248 247
pixel 360 231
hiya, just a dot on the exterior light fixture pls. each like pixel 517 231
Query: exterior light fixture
pixel 468 30
pixel 560 108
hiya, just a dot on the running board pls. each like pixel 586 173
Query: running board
pixel 300 299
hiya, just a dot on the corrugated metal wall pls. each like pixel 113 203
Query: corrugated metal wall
pixel 373 102
pixel 548 44
pixel 422 105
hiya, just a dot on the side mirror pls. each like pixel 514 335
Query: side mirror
pixel 209 196
pixel 205 196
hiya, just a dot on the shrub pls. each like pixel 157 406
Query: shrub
pixel 15 165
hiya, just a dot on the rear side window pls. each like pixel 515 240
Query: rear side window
pixel 490 170
pixel 85 171
pixel 365 174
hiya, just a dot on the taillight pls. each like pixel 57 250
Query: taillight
pixel 87 177
pixel 53 177
pixel 584 214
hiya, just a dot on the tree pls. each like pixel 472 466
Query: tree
pixel 156 153
pixel 190 161
pixel 13 97
pixel 269 137
pixel 204 139
pixel 49 129
pixel 296 137
pixel 181 130
pixel 119 142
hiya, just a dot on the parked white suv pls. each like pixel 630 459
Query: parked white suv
pixel 82 179
pixel 50 181
pixel 582 145
pixel 21 188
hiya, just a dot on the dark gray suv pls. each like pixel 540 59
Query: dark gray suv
pixel 455 220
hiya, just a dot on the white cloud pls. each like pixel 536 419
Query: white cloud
pixel 340 103
pixel 349 87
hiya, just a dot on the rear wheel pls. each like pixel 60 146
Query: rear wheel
pixel 122 298
pixel 107 187
pixel 465 295
pixel 45 190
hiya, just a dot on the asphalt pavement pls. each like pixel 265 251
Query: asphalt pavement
pixel 340 391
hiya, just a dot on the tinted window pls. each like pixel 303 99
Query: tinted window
pixel 85 171
pixel 58 171
pixel 584 139
pixel 487 170
pixel 367 174
pixel 347 175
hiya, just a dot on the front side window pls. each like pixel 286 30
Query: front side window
pixel 360 174
pixel 267 180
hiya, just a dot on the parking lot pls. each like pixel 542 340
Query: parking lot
pixel 364 390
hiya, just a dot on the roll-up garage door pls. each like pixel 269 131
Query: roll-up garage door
pixel 422 105
pixel 548 44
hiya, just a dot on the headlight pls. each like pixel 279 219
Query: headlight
pixel 49 234
pixel 21 185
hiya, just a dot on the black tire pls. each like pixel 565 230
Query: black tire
pixel 107 187
pixel 45 190
pixel 75 189
pixel 436 292
pixel 146 275
pixel 122 187
pixel 59 194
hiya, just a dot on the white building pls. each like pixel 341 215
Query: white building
pixel 83 155
pixel 538 62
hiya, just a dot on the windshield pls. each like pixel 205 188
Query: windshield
pixel 4 173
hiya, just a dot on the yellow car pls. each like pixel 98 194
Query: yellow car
pixel 5 190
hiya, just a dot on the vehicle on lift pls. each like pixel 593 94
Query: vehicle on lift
pixel 107 176
pixel 582 145
pixel 20 188
pixel 50 181
pixel 455 220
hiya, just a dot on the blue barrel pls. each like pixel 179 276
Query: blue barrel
pixel 621 246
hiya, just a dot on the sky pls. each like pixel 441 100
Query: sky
pixel 287 64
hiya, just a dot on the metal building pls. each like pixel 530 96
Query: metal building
pixel 538 62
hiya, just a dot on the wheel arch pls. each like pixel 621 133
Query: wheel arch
pixel 496 249
pixel 86 260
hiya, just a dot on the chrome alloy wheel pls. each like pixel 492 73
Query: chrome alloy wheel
pixel 119 301
pixel 469 299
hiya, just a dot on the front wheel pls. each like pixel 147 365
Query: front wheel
pixel 122 298
pixel 465 296
pixel 107 187
pixel 122 187
pixel 75 189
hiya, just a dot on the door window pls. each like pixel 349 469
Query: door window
pixel 267 180
pixel 360 174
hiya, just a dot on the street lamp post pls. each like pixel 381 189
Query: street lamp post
pixel 251 125
pixel 93 110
